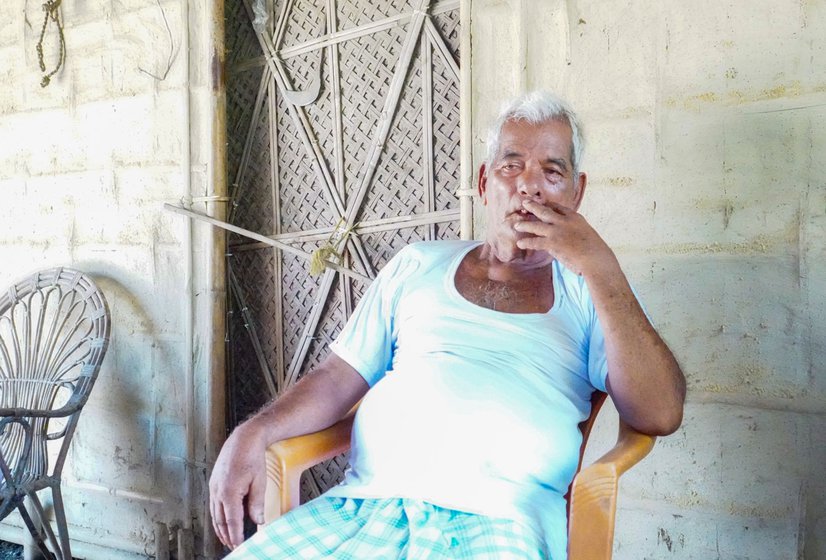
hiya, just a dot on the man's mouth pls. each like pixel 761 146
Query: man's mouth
pixel 523 215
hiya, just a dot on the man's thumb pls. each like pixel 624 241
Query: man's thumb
pixel 255 501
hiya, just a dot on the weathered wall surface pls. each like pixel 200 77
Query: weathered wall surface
pixel 706 124
pixel 85 165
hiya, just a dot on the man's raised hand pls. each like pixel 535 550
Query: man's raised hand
pixel 566 235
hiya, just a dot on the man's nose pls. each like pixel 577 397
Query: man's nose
pixel 530 185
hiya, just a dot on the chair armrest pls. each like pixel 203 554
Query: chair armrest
pixel 594 496
pixel 75 402
pixel 68 409
pixel 287 459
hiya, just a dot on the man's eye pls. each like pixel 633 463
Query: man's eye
pixel 554 172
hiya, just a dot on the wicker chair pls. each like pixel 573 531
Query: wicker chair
pixel 592 501
pixel 54 330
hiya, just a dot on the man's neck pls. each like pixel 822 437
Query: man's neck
pixel 506 261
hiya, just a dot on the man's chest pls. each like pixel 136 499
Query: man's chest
pixel 528 295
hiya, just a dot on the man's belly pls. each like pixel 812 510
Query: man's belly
pixel 433 424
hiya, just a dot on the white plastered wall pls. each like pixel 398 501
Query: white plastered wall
pixel 85 167
pixel 706 127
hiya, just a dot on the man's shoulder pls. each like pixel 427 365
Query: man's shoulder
pixel 572 286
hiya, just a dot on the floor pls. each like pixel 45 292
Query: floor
pixel 10 551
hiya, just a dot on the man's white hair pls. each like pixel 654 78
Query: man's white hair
pixel 538 107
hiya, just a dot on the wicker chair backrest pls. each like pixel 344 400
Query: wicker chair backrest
pixel 54 330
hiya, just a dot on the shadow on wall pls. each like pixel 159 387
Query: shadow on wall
pixel 117 447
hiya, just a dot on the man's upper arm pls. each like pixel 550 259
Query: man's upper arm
pixel 348 383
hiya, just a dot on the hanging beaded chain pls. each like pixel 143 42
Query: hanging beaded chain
pixel 51 9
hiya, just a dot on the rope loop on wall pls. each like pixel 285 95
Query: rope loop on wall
pixel 51 9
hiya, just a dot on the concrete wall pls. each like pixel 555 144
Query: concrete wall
pixel 706 126
pixel 85 165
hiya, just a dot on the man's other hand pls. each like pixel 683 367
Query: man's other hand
pixel 239 473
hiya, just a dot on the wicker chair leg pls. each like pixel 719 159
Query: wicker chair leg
pixel 60 521
pixel 35 527
pixel 45 526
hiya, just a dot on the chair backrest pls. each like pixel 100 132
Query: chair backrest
pixel 597 400
pixel 54 330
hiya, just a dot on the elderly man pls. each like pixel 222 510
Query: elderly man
pixel 476 362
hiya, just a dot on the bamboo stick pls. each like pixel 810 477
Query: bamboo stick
pixel 310 327
pixel 427 132
pixel 281 26
pixel 249 324
pixel 373 226
pixel 247 65
pixel 346 284
pixel 390 106
pixel 250 137
pixel 443 6
pixel 437 41
pixel 335 38
pixel 278 292
pixel 346 35
pixel 309 140
pixel 466 170
pixel 263 239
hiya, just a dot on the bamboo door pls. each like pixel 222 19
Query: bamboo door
pixel 343 128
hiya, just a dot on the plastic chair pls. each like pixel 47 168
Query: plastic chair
pixel 592 499
pixel 54 330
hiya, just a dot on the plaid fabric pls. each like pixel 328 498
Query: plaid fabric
pixel 359 529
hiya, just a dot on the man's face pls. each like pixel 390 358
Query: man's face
pixel 533 162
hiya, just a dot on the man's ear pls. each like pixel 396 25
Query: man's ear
pixel 580 183
pixel 483 182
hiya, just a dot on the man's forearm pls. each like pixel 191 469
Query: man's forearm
pixel 317 401
pixel 644 379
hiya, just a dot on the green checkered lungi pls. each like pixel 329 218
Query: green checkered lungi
pixel 359 529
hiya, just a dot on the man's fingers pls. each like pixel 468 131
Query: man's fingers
pixel 234 518
pixel 531 243
pixel 536 228
pixel 227 519
pixel 219 525
pixel 255 499
pixel 546 211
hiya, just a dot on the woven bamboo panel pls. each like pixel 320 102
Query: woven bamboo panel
pixel 397 188
pixel 254 271
pixel 445 136
pixel 367 65
pixel 330 325
pixel 242 87
pixel 253 204
pixel 449 230
pixel 302 70
pixel 300 291
pixel 385 244
pixel 241 93
pixel 287 180
pixel 244 385
pixel 357 14
pixel 448 25
pixel 302 205
pixel 305 22
pixel 241 43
